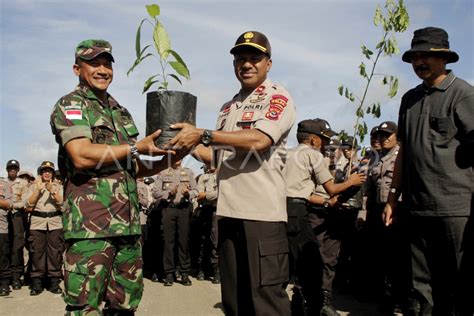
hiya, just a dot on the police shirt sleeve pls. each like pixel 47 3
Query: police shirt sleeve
pixel 319 168
pixel 193 189
pixel 278 116
pixel 69 119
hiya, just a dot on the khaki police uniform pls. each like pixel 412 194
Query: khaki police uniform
pixel 5 272
pixel 176 214
pixel 251 204
pixel 207 183
pixel 305 168
pixel 46 238
pixel 18 188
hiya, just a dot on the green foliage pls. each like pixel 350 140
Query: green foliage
pixel 393 18
pixel 163 51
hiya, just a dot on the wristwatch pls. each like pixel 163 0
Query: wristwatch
pixel 326 203
pixel 206 137
pixel 134 151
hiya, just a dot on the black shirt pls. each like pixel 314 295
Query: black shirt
pixel 436 129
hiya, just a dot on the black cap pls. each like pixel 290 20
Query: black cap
pixel 431 40
pixel 348 141
pixel 389 127
pixel 253 39
pixel 374 130
pixel 316 126
pixel 13 163
pixel 46 165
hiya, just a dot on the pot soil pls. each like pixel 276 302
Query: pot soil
pixel 164 108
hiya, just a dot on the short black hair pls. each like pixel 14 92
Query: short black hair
pixel 303 136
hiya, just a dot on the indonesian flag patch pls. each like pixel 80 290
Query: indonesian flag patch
pixel 74 114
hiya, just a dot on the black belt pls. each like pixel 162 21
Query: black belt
pixel 46 214
pixel 296 200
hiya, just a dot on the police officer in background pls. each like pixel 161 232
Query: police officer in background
pixel 250 141
pixel 306 167
pixel 5 206
pixel 207 198
pixel 176 187
pixel 386 271
pixel 18 188
pixel 44 200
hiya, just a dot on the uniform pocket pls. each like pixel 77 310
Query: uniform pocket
pixel 273 261
pixel 442 130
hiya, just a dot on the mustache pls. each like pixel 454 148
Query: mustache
pixel 421 68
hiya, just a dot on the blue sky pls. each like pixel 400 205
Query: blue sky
pixel 315 44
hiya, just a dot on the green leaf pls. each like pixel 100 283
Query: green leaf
pixel 384 81
pixel 137 39
pixel 175 78
pixel 362 71
pixel 179 66
pixel 360 112
pixel 149 82
pixel 378 16
pixel 377 111
pixel 137 62
pixel 340 89
pixel 393 87
pixel 161 41
pixel 153 10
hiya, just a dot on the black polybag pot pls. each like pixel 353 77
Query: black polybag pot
pixel 164 108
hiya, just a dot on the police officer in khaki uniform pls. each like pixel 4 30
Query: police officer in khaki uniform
pixel 44 200
pixel 250 139
pixel 18 188
pixel 5 206
pixel 387 263
pixel 207 199
pixel 176 187
pixel 306 167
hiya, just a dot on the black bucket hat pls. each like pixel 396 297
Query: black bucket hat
pixel 431 40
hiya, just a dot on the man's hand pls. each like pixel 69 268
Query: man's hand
pixel 4 204
pixel 146 146
pixel 187 138
pixel 39 184
pixel 357 179
pixel 49 185
pixel 185 191
pixel 201 196
pixel 388 215
pixel 174 191
pixel 333 201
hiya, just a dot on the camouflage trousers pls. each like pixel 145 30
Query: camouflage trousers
pixel 102 270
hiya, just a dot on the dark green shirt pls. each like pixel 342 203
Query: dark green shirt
pixel 436 130
pixel 102 201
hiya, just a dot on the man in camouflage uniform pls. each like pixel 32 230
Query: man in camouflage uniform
pixel 99 156
pixel 18 188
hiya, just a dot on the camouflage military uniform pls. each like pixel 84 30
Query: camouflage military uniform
pixel 101 213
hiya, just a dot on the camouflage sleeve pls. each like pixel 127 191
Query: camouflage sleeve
pixel 69 119
pixel 193 189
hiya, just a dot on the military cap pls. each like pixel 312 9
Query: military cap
pixel 13 163
pixel 316 126
pixel 430 40
pixel 348 141
pixel 46 165
pixel 91 48
pixel 253 39
pixel 389 127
